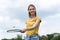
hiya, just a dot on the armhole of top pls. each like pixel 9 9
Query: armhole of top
pixel 38 18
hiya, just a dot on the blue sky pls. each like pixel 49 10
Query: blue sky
pixel 14 13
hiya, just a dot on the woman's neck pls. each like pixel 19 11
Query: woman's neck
pixel 32 16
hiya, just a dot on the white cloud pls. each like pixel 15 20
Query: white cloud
pixel 16 3
pixel 4 34
pixel 42 4
pixel 4 18
pixel 50 24
pixel 5 3
pixel 6 23
pixel 48 4
pixel 57 15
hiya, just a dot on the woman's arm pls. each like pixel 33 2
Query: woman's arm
pixel 35 25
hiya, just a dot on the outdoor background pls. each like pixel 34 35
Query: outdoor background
pixel 15 13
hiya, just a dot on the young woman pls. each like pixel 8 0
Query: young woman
pixel 32 24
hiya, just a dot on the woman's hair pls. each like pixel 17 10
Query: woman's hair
pixel 29 7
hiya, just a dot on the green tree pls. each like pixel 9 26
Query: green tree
pixel 50 36
pixel 56 38
pixel 19 37
pixel 13 39
pixel 5 39
pixel 43 37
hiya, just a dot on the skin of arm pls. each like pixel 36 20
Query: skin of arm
pixel 35 25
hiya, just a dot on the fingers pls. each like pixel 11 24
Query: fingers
pixel 22 31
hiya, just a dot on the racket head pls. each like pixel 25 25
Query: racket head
pixel 14 30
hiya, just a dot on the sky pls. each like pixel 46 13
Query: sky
pixel 15 13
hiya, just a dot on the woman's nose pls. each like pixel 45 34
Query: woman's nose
pixel 32 10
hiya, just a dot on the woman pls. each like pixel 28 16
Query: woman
pixel 32 24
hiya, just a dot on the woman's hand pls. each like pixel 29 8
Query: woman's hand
pixel 23 30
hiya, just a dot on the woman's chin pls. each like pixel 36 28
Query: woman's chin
pixel 32 13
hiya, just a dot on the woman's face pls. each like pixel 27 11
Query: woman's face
pixel 32 10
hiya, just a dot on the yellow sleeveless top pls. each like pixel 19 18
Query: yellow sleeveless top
pixel 30 23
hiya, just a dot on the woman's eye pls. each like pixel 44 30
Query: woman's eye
pixel 32 9
pixel 29 9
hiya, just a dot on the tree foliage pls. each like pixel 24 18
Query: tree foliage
pixel 54 36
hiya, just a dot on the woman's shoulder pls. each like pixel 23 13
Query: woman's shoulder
pixel 38 17
pixel 27 19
